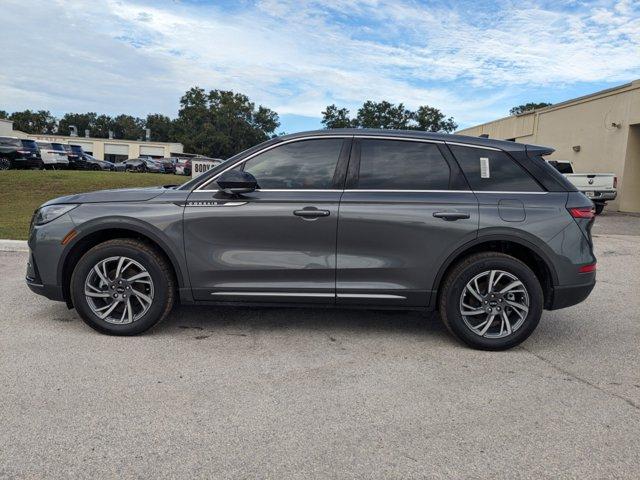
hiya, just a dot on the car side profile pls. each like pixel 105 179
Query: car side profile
pixel 19 153
pixel 485 231
pixel 143 165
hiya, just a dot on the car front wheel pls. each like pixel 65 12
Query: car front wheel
pixel 491 301
pixel 122 287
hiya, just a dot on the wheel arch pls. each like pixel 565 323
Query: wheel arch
pixel 527 252
pixel 95 233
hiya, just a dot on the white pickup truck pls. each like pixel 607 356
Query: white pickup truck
pixel 599 187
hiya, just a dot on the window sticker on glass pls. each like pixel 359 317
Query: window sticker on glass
pixel 484 168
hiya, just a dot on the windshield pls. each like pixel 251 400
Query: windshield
pixel 29 144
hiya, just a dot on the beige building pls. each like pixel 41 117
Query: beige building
pixel 598 133
pixel 102 148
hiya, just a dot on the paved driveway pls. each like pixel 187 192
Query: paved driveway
pixel 270 393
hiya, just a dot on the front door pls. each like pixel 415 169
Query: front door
pixel 405 209
pixel 277 244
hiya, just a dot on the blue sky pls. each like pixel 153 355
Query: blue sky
pixel 472 59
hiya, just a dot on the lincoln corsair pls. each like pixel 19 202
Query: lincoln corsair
pixel 484 231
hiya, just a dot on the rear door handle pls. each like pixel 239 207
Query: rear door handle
pixel 450 216
pixel 311 212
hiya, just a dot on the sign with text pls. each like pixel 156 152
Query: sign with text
pixel 198 167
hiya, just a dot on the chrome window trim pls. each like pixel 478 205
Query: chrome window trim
pixel 202 188
pixel 275 294
pixel 474 146
pixel 509 192
pixel 404 139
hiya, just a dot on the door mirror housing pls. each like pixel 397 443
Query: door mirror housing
pixel 237 182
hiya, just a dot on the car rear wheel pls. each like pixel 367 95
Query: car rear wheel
pixel 95 167
pixel 122 287
pixel 599 206
pixel 491 301
pixel 5 164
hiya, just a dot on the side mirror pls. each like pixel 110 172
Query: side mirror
pixel 236 182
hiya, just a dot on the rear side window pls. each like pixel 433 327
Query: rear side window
pixel 402 165
pixel 29 144
pixel 491 170
pixel 58 147
pixel 307 164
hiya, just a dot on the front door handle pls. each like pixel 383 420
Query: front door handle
pixel 450 216
pixel 311 212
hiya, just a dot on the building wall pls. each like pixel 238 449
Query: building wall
pixel 587 124
pixel 6 128
pixel 101 146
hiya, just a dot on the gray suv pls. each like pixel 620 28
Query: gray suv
pixel 485 231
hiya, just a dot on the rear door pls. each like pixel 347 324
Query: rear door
pixel 405 209
pixel 277 244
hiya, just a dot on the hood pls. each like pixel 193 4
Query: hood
pixel 116 195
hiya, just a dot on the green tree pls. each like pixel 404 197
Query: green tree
pixel 221 123
pixel 101 126
pixel 161 126
pixel 128 127
pixel 82 121
pixel 390 116
pixel 527 107
pixel 4 114
pixel 383 115
pixel 334 117
pixel 431 119
pixel 34 122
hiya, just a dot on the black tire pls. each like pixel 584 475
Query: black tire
pixel 599 207
pixel 95 167
pixel 464 272
pixel 161 274
pixel 5 164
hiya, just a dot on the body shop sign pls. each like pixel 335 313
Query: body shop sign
pixel 198 167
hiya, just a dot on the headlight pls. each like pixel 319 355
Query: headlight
pixel 51 212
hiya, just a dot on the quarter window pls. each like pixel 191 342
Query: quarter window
pixel 492 170
pixel 307 164
pixel 402 165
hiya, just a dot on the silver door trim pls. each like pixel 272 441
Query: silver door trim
pixel 275 294
pixel 371 295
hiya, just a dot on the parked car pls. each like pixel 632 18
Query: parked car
pixel 599 187
pixel 143 165
pixel 19 153
pixel 92 163
pixel 183 166
pixel 469 226
pixel 75 154
pixel 52 157
pixel 167 164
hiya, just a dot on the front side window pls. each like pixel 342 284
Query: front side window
pixel 307 164
pixel 402 165
pixel 493 170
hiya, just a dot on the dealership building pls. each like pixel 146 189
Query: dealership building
pixel 598 133
pixel 114 150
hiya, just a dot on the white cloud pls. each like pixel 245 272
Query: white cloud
pixel 297 56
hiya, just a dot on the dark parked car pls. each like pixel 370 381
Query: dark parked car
pixel 143 165
pixel 168 165
pixel 92 163
pixel 76 157
pixel 483 230
pixel 19 153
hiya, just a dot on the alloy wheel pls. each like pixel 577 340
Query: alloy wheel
pixel 119 290
pixel 494 304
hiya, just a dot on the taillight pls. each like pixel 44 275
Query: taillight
pixel 615 182
pixel 582 212
pixel 27 152
pixel 587 268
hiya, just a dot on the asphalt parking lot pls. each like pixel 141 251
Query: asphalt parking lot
pixel 272 393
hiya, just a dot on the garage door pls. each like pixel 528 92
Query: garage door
pixel 154 151
pixel 116 149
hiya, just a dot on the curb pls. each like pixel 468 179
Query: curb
pixel 14 246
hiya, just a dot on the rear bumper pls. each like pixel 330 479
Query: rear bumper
pixel 569 295
pixel 603 195
pixel 31 162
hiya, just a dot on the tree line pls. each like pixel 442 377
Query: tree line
pixel 221 123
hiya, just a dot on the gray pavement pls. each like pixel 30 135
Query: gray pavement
pixel 273 393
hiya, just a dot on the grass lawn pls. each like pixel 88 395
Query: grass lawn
pixel 22 191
